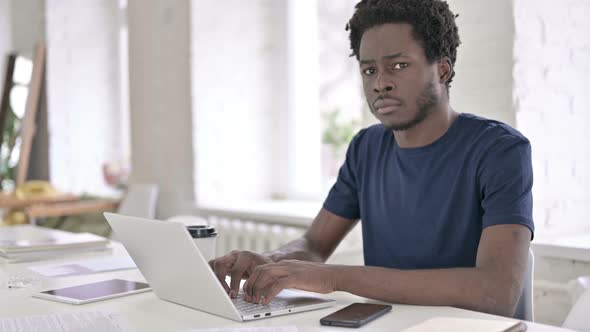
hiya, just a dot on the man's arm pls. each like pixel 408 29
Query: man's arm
pixel 319 241
pixel 493 285
pixel 316 245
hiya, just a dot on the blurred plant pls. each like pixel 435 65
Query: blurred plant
pixel 116 173
pixel 10 150
pixel 337 132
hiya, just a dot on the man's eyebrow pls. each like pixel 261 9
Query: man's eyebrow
pixel 386 57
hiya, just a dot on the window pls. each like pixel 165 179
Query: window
pixel 87 97
pixel 274 103
pixel 342 104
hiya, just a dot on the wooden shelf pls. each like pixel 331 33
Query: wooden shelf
pixel 71 208
pixel 9 201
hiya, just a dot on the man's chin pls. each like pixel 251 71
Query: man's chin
pixel 403 124
pixel 398 125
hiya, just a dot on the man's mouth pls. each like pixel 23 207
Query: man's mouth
pixel 386 106
pixel 387 109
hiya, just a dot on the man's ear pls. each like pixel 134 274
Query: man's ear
pixel 445 69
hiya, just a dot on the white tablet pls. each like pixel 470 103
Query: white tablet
pixel 93 292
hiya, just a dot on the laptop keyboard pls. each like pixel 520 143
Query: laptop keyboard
pixel 250 308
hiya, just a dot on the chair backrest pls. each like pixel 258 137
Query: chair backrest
pixel 140 201
pixel 524 308
pixel 577 319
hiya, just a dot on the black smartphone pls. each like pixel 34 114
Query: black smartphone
pixel 355 315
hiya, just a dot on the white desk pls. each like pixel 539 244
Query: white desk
pixel 146 312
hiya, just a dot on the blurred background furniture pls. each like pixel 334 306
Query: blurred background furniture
pixel 26 195
pixel 524 307
pixel 139 200
pixel 76 207
pixel 579 316
pixel 19 106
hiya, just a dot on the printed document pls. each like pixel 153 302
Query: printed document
pixel 85 266
pixel 85 321
pixel 250 329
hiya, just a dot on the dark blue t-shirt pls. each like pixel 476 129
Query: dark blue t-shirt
pixel 426 207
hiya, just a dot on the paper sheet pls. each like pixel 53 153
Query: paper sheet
pixel 88 321
pixel 250 329
pixel 452 324
pixel 85 266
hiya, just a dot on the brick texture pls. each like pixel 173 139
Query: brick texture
pixel 551 62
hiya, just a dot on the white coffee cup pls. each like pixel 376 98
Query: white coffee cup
pixel 204 237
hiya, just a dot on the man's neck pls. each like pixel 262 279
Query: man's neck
pixel 429 130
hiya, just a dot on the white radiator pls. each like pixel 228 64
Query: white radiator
pixel 236 234
pixel 260 235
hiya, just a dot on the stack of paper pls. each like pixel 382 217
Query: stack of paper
pixel 84 321
pixel 28 242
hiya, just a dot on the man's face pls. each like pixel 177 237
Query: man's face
pixel 401 87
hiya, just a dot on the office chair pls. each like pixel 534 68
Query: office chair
pixel 577 319
pixel 524 308
pixel 140 201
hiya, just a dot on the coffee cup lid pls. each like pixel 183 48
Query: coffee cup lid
pixel 201 231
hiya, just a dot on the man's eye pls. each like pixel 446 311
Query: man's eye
pixel 369 71
pixel 400 65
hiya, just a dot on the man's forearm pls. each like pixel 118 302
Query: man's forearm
pixel 299 249
pixel 468 288
pixel 318 243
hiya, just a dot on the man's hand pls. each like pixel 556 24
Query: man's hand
pixel 318 243
pixel 268 280
pixel 238 265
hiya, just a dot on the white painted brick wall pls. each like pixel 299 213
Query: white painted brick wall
pixel 83 92
pixel 551 66
pixel 483 79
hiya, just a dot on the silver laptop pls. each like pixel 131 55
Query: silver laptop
pixel 172 264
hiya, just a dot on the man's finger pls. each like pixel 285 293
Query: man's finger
pixel 262 274
pixel 271 274
pixel 275 288
pixel 237 273
pixel 221 267
pixel 264 281
pixel 251 281
pixel 221 278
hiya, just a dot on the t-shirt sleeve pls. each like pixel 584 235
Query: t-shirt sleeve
pixel 343 198
pixel 506 180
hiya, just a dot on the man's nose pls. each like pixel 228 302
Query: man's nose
pixel 383 84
